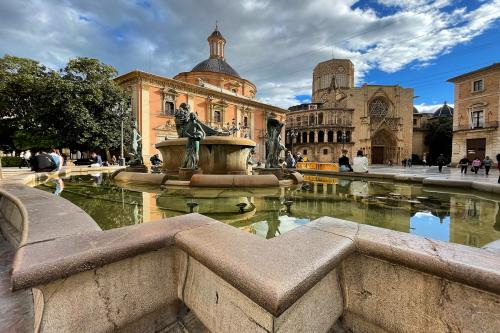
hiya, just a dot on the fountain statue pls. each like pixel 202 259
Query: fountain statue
pixel 204 149
pixel 194 133
pixel 182 119
pixel 136 162
pixel 273 142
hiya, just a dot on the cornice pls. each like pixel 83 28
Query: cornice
pixel 160 82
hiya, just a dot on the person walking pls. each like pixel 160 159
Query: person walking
pixel 487 162
pixel 464 164
pixel 440 162
pixel 476 164
pixel 498 166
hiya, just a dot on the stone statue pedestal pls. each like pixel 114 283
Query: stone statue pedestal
pixel 137 168
pixel 186 174
pixel 278 172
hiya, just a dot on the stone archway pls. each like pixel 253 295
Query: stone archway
pixel 383 147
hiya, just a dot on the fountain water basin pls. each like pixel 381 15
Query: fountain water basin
pixel 219 155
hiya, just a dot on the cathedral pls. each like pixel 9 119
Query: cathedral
pixel 213 89
pixel 376 119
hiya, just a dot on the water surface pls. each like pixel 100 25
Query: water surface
pixel 470 218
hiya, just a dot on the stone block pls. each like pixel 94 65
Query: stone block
pixel 296 177
pixel 142 178
pixel 404 300
pixel 113 297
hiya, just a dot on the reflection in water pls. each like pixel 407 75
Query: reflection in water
pixel 459 217
pixel 59 186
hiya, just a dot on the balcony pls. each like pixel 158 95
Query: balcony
pixel 489 125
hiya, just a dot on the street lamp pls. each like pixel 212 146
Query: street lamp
pixel 121 160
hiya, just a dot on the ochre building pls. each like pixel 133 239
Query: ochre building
pixel 212 89
pixel 376 119
pixel 477 111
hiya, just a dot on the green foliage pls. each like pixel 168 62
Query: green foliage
pixel 79 106
pixel 439 139
pixel 11 161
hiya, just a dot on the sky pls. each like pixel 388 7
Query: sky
pixel 274 43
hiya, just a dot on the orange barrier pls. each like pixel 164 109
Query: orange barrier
pixel 318 166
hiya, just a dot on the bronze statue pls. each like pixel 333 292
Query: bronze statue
pixel 182 115
pixel 194 132
pixel 273 143
pixel 136 153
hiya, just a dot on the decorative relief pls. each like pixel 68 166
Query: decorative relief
pixel 378 107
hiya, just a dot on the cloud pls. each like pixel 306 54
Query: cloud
pixel 429 108
pixel 274 44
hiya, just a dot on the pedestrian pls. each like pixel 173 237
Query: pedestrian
pixel 113 160
pixel 464 164
pixel 404 162
pixel 440 162
pixel 408 162
pixel 487 162
pixel 476 164
pixel 360 163
pixel 498 166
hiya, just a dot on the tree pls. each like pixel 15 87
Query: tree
pixel 439 139
pixel 79 106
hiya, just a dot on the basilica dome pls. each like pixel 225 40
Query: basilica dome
pixel 217 65
pixel 444 111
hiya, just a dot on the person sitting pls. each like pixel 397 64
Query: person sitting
pixel 43 162
pixel 344 162
pixel 155 160
pixel 57 158
pixel 96 159
pixel 360 163
pixel 290 161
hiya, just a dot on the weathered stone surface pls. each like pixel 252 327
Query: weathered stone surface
pixel 296 177
pixel 404 300
pixel 112 297
pixel 234 181
pixel 316 311
pixel 46 261
pixel 243 260
pixel 143 178
pixel 221 307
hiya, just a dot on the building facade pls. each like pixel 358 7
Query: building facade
pixel 376 119
pixel 422 127
pixel 477 112
pixel 212 89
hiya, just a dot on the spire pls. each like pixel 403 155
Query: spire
pixel 216 43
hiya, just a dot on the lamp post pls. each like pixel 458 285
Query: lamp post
pixel 121 160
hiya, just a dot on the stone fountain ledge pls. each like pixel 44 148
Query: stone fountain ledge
pixel 329 271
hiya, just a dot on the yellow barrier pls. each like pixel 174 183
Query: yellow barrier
pixel 318 166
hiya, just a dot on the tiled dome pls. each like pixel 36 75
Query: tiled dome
pixel 444 111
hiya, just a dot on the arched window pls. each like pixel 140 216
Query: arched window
pixel 339 136
pixel 304 137
pixel 311 137
pixel 330 136
pixel 311 120
pixel 348 136
pixel 321 136
pixel 320 118
pixel 298 138
pixel 378 107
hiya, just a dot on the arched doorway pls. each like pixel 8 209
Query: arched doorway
pixel 384 147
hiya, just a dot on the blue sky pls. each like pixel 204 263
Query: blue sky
pixel 273 43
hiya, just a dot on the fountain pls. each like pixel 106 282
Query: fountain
pixel 207 152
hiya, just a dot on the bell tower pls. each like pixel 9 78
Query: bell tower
pixel 216 43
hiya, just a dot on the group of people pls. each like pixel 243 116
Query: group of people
pixel 359 163
pixel 476 164
pixel 44 161
pixel 291 160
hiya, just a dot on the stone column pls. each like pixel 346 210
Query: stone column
pixel 144 127
pixel 315 136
